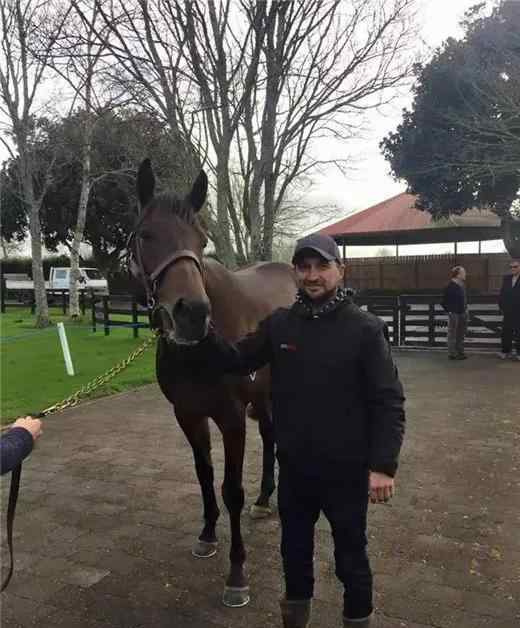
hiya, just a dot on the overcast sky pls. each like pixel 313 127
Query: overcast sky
pixel 371 182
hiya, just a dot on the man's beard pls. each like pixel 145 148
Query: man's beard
pixel 326 296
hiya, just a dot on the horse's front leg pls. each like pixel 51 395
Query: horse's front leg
pixel 236 591
pixel 198 434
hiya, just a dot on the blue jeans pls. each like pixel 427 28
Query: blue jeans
pixel 342 495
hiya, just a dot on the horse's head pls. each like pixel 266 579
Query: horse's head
pixel 166 250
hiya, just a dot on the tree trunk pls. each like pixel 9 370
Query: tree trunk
pixel 40 293
pixel 80 221
pixel 223 244
pixel 78 239
pixel 269 217
pixel 255 218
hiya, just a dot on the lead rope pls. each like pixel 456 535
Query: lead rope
pixel 11 509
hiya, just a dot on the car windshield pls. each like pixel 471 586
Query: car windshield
pixel 93 273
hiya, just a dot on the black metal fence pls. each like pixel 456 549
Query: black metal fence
pixel 424 323
pixel 420 321
pixel 413 321
pixel 124 307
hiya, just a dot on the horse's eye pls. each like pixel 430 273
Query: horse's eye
pixel 145 235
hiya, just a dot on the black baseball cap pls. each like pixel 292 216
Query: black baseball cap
pixel 319 243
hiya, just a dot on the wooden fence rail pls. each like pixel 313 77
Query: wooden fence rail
pixel 426 272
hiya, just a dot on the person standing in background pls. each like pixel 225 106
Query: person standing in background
pixel 455 303
pixel 509 303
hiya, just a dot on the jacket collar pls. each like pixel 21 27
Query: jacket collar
pixel 303 305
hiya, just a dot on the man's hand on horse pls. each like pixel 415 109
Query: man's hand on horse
pixel 381 487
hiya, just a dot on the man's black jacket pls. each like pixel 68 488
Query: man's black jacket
pixel 454 298
pixel 509 298
pixel 336 394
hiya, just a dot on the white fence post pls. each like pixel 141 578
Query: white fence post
pixel 65 348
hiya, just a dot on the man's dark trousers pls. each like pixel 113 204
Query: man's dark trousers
pixel 342 494
pixel 510 331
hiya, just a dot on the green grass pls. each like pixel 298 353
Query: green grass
pixel 33 374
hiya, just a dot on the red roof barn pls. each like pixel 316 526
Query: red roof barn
pixel 397 221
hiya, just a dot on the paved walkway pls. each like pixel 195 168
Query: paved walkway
pixel 109 509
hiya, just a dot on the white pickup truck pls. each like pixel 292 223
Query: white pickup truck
pixel 90 280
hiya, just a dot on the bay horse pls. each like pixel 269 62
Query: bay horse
pixel 184 293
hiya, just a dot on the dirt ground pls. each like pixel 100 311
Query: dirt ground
pixel 109 509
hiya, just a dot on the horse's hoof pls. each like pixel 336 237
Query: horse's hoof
pixel 235 597
pixel 260 512
pixel 204 549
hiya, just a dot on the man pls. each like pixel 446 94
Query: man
pixel 509 303
pixel 338 418
pixel 454 302
pixel 17 443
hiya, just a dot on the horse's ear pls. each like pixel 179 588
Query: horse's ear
pixel 197 196
pixel 145 183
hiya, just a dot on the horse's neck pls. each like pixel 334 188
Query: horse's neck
pixel 227 299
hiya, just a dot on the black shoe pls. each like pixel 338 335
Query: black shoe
pixel 462 356
pixel 452 357
pixel 363 622
pixel 296 613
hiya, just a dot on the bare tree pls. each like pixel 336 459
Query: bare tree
pixel 22 75
pixel 146 69
pixel 185 58
pixel 325 65
pixel 261 83
pixel 224 66
pixel 76 59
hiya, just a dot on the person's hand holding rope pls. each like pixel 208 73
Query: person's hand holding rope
pixel 32 425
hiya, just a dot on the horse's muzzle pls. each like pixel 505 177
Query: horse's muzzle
pixel 185 323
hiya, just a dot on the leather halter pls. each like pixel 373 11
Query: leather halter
pixel 150 280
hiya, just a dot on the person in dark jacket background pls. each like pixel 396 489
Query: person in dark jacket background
pixel 509 303
pixel 18 442
pixel 338 415
pixel 454 302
